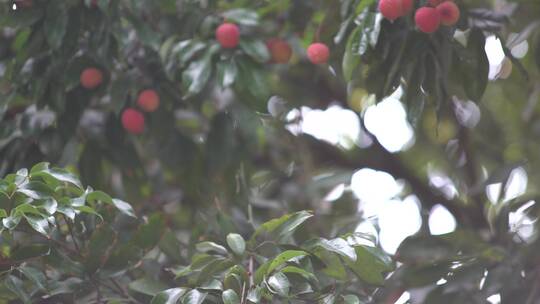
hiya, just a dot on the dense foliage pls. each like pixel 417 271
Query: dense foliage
pixel 183 108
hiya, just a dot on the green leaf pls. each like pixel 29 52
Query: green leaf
pixel 89 210
pixel 254 295
pixel 328 299
pixel 299 271
pixel 3 213
pixel 147 286
pixel 145 33
pixel 58 174
pixel 430 249
pixel 475 66
pixel 11 221
pixel 414 93
pixel 197 74
pixel 56 20
pixel 334 267
pixel 68 286
pixel 39 224
pixel 351 299
pixel 149 234
pixel 368 266
pixel 236 243
pixel 5 201
pixel 256 49
pixel 124 207
pixel 230 296
pixel 351 59
pixel 50 205
pixel 34 275
pixel 212 285
pixel 284 257
pixel 284 226
pixel 211 247
pixel 242 16
pixel 194 297
pixel 169 296
pixel 101 240
pixel 227 72
pixel 99 196
pixel 279 284
pixel 30 251
pixel 16 286
pixel 339 246
pixel 36 190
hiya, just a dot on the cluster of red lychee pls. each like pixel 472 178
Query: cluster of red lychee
pixel 132 118
pixel 228 36
pixel 428 19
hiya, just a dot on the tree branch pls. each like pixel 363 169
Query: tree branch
pixel 382 160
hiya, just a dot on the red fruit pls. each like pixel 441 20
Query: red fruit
pixel 390 9
pixel 279 49
pixel 449 13
pixel 91 78
pixel 133 121
pixel 393 9
pixel 228 35
pixel 148 100
pixel 427 19
pixel 318 53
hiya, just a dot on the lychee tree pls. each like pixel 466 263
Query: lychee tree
pixel 186 110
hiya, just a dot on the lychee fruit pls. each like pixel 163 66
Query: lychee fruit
pixel 228 35
pixel 279 49
pixel 148 100
pixel 390 9
pixel 393 9
pixel 133 121
pixel 91 78
pixel 318 53
pixel 427 19
pixel 449 13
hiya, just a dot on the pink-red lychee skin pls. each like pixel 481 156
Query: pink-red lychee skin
pixel 148 100
pixel 318 53
pixel 228 35
pixel 390 9
pixel 133 121
pixel 280 50
pixel 427 19
pixel 91 78
pixel 449 13
pixel 393 9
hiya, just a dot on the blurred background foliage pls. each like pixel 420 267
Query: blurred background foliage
pixel 230 148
